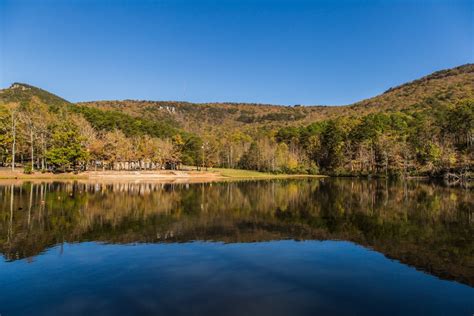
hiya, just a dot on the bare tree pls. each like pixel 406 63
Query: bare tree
pixel 13 110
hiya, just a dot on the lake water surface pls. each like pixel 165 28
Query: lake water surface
pixel 280 247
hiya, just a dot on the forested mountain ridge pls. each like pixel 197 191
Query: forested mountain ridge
pixel 421 127
pixel 25 93
pixel 449 85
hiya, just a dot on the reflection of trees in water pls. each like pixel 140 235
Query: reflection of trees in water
pixel 426 225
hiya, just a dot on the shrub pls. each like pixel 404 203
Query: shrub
pixel 28 169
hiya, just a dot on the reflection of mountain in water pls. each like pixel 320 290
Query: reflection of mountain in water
pixel 427 226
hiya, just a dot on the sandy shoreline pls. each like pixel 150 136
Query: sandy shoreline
pixel 174 176
pixel 111 175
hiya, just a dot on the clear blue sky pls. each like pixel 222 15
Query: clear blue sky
pixel 282 52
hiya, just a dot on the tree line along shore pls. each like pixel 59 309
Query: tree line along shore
pixel 434 136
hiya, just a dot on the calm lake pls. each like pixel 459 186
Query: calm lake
pixel 279 247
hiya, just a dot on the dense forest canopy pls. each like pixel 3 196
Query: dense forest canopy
pixel 422 127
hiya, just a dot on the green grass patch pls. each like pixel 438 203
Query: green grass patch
pixel 250 174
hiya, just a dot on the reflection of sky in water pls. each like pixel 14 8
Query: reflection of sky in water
pixel 269 278
pixel 421 224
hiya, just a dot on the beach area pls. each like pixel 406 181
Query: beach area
pixel 183 176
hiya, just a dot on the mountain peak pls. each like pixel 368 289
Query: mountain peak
pixel 19 85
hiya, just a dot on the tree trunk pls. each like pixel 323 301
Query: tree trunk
pixel 32 150
pixel 14 141
pixel 43 164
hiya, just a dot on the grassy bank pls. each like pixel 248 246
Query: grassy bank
pixel 250 174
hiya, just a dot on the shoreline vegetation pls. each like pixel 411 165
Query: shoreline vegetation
pixel 193 175
pixel 422 128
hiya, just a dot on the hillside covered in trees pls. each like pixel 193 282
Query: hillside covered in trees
pixel 424 127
